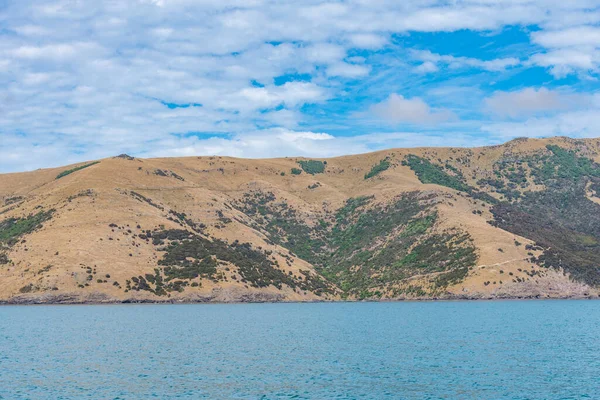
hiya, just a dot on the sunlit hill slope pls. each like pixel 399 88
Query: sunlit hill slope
pixel 520 220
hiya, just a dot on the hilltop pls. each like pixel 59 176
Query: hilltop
pixel 519 220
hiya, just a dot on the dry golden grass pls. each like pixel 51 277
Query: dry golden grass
pixel 54 259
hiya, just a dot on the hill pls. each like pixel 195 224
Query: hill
pixel 519 220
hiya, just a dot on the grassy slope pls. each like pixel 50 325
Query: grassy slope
pixel 427 223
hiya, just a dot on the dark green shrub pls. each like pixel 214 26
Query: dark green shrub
pixel 312 166
pixel 189 256
pixel 12 229
pixel 367 245
pixel 27 288
pixel 378 168
pixel 70 171
pixel 431 173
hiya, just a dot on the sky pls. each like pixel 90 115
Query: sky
pixel 88 79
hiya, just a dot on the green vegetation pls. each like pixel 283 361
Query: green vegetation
pixel 378 168
pixel 4 259
pixel 283 224
pixel 312 166
pixel 178 177
pixel 454 276
pixel 510 191
pixel 27 288
pixel 12 200
pixel 167 173
pixel 296 171
pixel 419 226
pixel 555 167
pixel 560 219
pixel 12 229
pixel 189 256
pixel 145 199
pixel 431 173
pixel 427 172
pixel 563 165
pixel 367 247
pixel 352 205
pixel 70 171
pixel 390 243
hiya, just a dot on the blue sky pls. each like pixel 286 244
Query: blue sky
pixel 89 79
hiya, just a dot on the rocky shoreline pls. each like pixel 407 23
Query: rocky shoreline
pixel 101 298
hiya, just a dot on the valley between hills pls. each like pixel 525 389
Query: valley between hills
pixel 518 220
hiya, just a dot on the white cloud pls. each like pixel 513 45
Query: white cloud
pixel 433 59
pixel 324 53
pixel 256 98
pixel 281 118
pixel 278 142
pixel 577 124
pixel 347 70
pixel 576 36
pixel 575 49
pixel 563 62
pixel 530 101
pixel 367 40
pixel 398 109
pixel 31 30
pixel 59 51
pixel 4 65
pixel 426 68
pixel 36 78
pixel 91 76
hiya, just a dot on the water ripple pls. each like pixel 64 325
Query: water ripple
pixel 464 350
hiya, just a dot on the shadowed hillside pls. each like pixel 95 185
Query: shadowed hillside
pixel 517 220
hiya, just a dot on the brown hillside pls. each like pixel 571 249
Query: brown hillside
pixel 227 229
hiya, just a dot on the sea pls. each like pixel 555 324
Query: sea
pixel 547 349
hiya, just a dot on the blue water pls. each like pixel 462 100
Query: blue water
pixel 445 350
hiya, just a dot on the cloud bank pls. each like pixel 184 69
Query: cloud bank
pixel 90 79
